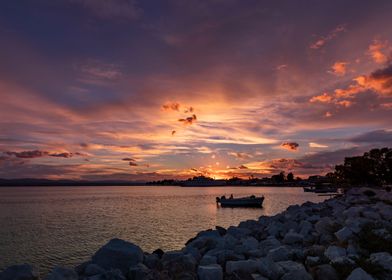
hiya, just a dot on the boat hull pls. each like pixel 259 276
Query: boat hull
pixel 243 202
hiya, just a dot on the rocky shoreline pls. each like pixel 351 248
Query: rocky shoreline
pixel 347 237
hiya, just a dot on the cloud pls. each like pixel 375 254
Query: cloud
pixel 324 98
pixel 316 145
pixel 63 155
pixel 112 9
pixel 131 163
pixel 291 146
pixel 128 159
pixel 240 155
pixel 319 43
pixel 376 136
pixel 28 154
pixel 339 68
pixel 173 132
pixel 173 106
pixel 188 120
pixel 378 50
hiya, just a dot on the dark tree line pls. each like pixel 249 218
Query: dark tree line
pixel 373 168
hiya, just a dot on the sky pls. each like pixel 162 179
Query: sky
pixel 147 90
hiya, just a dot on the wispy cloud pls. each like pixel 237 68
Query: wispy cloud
pixel 322 41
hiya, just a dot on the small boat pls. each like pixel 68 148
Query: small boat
pixel 250 201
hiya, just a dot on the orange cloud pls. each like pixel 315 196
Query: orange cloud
pixel 291 146
pixel 339 68
pixel 324 98
pixel 377 51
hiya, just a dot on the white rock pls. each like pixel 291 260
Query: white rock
pixel 359 274
pixel 334 252
pixel 210 272
pixel 344 234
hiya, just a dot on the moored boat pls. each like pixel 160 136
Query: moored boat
pixel 250 201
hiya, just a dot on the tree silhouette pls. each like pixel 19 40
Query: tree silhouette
pixel 373 168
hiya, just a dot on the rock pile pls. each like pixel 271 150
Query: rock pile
pixel 348 237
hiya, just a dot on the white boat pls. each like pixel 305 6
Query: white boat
pixel 250 201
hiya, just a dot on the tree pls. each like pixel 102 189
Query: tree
pixel 290 177
pixel 373 168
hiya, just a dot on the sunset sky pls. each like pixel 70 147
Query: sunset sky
pixel 146 90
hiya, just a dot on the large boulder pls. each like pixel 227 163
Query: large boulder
pixel 248 266
pixel 334 252
pixel 93 269
pixel 344 234
pixel 20 272
pixel 359 274
pixel 210 272
pixel 118 254
pixel 62 273
pixel 139 272
pixel 382 259
pixel 176 263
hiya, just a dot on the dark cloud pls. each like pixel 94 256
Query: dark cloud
pixel 291 146
pixel 111 9
pixel 28 154
pixel 173 132
pixel 376 136
pixel 128 159
pixel 131 163
pixel 188 120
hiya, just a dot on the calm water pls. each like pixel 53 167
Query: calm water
pixel 49 226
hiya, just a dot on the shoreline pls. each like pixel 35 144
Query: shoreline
pixel 302 242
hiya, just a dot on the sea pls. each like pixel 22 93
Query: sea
pixel 50 226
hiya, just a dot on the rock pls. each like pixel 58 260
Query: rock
pixel 372 215
pixel 210 272
pixel 305 227
pixel 256 276
pixel 178 263
pixel 20 272
pixel 326 272
pixel 93 269
pixel 139 272
pixel 312 261
pixel 313 219
pixel 382 259
pixel 221 230
pixel 118 254
pixel 151 261
pixel 238 232
pixel 62 273
pixel 279 254
pixel 343 234
pixel 81 267
pixel 275 229
pixel 359 274
pixel 208 260
pixel 289 266
pixel 269 269
pixel 158 252
pixel 249 266
pixel 293 237
pixel 325 226
pixel 297 275
pixel 269 243
pixel 113 274
pixel 250 243
pixel 334 252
